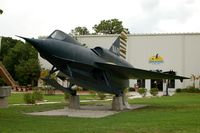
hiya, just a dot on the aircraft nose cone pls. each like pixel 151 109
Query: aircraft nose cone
pixel 35 42
pixel 29 40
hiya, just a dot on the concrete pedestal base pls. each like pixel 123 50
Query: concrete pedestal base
pixel 5 91
pixel 117 103
pixel 74 102
pixel 3 102
pixel 120 103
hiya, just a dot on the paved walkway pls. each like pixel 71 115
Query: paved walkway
pixel 92 111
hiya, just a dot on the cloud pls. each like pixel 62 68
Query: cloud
pixel 149 5
pixel 165 16
pixel 35 17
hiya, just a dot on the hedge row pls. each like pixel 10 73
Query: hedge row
pixel 189 90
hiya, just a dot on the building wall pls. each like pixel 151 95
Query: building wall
pixel 192 55
pixel 179 52
pixel 141 48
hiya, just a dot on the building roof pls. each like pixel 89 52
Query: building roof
pixel 140 34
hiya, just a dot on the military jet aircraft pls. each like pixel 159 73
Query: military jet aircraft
pixel 98 68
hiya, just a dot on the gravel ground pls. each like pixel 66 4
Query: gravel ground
pixel 93 111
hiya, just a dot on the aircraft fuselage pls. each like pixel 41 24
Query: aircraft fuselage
pixel 93 78
pixel 99 69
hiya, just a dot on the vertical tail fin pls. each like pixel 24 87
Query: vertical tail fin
pixel 115 47
pixel 119 45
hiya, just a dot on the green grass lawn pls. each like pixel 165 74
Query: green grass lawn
pixel 17 98
pixel 176 114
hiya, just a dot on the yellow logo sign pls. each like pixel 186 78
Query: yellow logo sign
pixel 157 59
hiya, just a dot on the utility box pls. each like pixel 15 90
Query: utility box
pixel 5 91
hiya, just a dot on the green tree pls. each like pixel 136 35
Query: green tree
pixel 6 44
pixel 80 31
pixel 21 60
pixel 112 26
pixel 1 11
pixel 27 72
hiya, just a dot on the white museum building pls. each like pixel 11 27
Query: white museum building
pixel 177 52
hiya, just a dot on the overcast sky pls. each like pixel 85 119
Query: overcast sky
pixel 33 18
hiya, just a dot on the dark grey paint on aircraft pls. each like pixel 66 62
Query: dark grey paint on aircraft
pixel 99 69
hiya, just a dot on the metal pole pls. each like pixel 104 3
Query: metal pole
pixel 167 87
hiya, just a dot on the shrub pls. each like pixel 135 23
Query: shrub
pixel 178 90
pixel 93 93
pixel 101 95
pixel 29 98
pixel 154 91
pixel 66 96
pixel 189 90
pixel 38 95
pixel 192 90
pixel 142 91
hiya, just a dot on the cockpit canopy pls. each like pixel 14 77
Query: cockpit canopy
pixel 59 35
